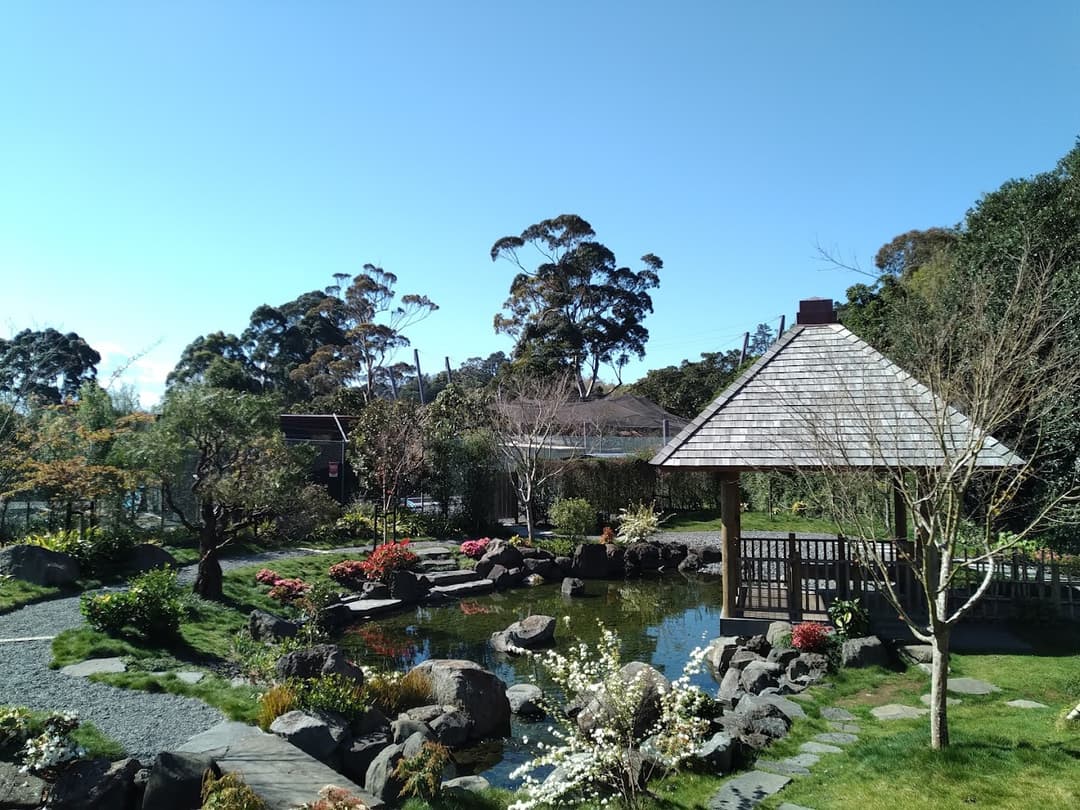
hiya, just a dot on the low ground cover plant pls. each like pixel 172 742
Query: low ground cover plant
pixel 42 745
pixel 229 792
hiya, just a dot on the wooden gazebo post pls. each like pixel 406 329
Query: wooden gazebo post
pixel 730 534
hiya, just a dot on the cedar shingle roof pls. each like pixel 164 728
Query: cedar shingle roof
pixel 822 397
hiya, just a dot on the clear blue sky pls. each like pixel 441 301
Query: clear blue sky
pixel 167 167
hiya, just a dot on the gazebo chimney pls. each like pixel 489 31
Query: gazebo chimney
pixel 816 310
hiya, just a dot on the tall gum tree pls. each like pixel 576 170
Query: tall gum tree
pixel 577 310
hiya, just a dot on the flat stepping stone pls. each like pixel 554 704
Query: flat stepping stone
pixel 836 713
pixel 1026 704
pixel 365 608
pixel 897 711
pixel 782 766
pixel 971 686
pixel 455 577
pixel 791 710
pixel 819 748
pixel 479 586
pixel 917 653
pixel 949 701
pixel 748 790
pixel 790 806
pixel 432 566
pixel 431 552
pixel 835 738
pixel 94 666
pixel 847 728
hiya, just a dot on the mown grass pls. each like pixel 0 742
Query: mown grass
pixel 14 593
pixel 708 520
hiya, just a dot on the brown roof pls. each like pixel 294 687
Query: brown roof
pixel 821 397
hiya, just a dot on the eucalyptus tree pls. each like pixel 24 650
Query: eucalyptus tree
pixel 577 310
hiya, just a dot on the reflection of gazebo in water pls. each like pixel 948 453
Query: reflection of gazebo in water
pixel 820 398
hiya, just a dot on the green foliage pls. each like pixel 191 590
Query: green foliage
pixel 45 365
pixel 98 549
pixel 637 523
pixel 421 775
pixel 608 484
pixel 686 389
pixel 850 618
pixel 279 699
pixel 153 607
pixel 388 558
pixel 577 310
pixel 229 792
pixel 393 693
pixel 332 797
pixel 573 517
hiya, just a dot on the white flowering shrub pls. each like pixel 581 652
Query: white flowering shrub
pixel 630 723
pixel 54 747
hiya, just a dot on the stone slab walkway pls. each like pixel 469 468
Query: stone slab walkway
pixel 748 790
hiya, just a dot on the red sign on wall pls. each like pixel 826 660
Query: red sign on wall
pixel 332 469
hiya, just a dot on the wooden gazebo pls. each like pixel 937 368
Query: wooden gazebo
pixel 820 398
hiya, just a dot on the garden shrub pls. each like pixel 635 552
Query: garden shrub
pixel 98 549
pixel 349 573
pixel 421 775
pixel 331 693
pixel 607 535
pixel 288 590
pixel 638 523
pixel 388 558
pixel 333 797
pixel 810 637
pixel 475 549
pixel 573 517
pixel 49 745
pixel 358 522
pixel 229 792
pixel 849 618
pixel 153 606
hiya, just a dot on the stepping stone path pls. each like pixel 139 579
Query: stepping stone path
pixel 790 806
pixel 949 701
pixel 971 686
pixel 1026 704
pixel 93 666
pixel 792 766
pixel 897 711
pixel 836 738
pixel 847 728
pixel 819 748
pixel 836 713
pixel 747 790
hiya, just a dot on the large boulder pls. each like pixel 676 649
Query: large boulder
pixel 405 727
pixel 544 567
pixel 616 559
pixel 777 631
pixel 316 733
pixel 474 690
pixel 176 780
pixel 94 784
pixel 502 577
pixel 360 753
pixel 499 552
pixel 808 667
pixel 39 566
pixel 716 754
pixel 408 587
pixel 264 626
pixel 648 683
pixel 146 557
pixel 590 561
pixel 452 728
pixel 719 653
pixel 380 780
pixel 19 791
pixel 642 559
pixel 317 661
pixel 532 631
pixel 865 652
pixel 572 586
pixel 758 675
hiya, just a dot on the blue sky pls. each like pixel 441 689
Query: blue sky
pixel 165 168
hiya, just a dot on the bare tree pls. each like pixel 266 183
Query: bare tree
pixel 989 366
pixel 527 414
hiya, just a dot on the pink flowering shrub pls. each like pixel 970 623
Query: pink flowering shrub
pixel 287 590
pixel 267 577
pixel 388 558
pixel 475 549
pixel 809 637
pixel 349 573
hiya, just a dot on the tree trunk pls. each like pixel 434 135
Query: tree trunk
pixel 939 686
pixel 529 519
pixel 208 582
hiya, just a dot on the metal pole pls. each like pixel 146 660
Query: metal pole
pixel 783 320
pixel 745 347
pixel 449 376
pixel 419 375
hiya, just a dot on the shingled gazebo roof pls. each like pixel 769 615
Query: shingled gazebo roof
pixel 821 397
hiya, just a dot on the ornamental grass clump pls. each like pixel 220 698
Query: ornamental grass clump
pixel 229 792
pixel 638 523
pixel 594 763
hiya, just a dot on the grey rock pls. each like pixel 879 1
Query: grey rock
pixel 317 661
pixel 452 728
pixel 788 767
pixel 471 784
pixel 408 587
pixel 917 653
pixel 758 675
pixel 642 558
pixel 730 687
pixel 742 657
pixel 474 690
pixel 545 568
pixel 425 714
pixel 19 791
pixel 380 780
pixel 501 552
pixel 1026 704
pixel 146 557
pixel 897 711
pixel 758 644
pixel 40 566
pixel 716 754
pixel 176 780
pixel 532 631
pixel 820 748
pixel 691 562
pixel 865 652
pixel 526 699
pixel 566 565
pixel 836 713
pixel 590 561
pixel 808 665
pixel 616 560
pixel 503 577
pixel 791 710
pixel 317 734
pixel 412 746
pixel 758 716
pixel 781 656
pixel 360 753
pixel 971 686
pixel 371 721
pixel 747 790
pixel 776 631
pixel 375 590
pixel 404 727
pixel 647 712
pixel 94 666
pixel 572 586
pixel 847 728
pixel 264 626
pixel 719 654
pixel 835 738
pixel 95 784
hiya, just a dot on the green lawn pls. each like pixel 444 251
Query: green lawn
pixel 708 520
pixel 14 593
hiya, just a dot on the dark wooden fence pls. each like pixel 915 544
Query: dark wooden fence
pixel 799 577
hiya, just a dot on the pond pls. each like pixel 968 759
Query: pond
pixel 659 621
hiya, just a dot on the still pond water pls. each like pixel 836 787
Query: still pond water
pixel 658 620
